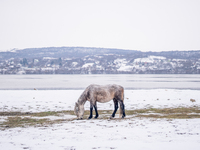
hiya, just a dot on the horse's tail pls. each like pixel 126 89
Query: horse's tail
pixel 121 109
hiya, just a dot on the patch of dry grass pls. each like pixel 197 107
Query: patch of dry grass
pixel 182 110
pixel 20 119
pixel 173 113
pixel 37 114
pixel 171 116
pixel 16 121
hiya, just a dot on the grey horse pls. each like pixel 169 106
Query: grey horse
pixel 101 93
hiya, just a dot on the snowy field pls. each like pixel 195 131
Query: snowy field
pixel 131 133
pixel 58 100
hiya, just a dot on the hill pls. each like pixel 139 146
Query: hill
pixel 86 60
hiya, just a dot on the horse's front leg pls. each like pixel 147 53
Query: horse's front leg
pixel 93 104
pixel 91 110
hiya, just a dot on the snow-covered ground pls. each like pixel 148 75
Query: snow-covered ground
pixel 132 133
pixel 57 100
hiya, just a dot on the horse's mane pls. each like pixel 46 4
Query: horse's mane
pixel 84 96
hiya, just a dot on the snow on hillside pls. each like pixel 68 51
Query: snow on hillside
pixel 125 67
pixel 120 62
pixel 74 64
pixel 149 59
pixel 48 58
pixel 87 65
pixel 122 65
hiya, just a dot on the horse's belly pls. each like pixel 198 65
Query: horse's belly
pixel 103 99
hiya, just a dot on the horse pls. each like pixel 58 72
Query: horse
pixel 100 93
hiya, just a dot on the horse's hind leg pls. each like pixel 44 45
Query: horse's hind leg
pixel 116 107
pixel 95 108
pixel 122 109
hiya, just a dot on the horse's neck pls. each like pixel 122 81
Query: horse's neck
pixel 81 102
pixel 83 98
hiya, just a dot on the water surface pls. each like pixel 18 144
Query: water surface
pixel 58 82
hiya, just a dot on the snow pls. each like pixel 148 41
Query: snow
pixel 143 60
pixel 119 62
pixel 178 60
pixel 74 64
pixel 57 100
pixel 87 65
pixel 157 57
pixel 122 65
pixel 149 59
pixel 48 58
pixel 95 134
pixel 46 69
pixel 99 67
pixel 125 68
pixel 102 134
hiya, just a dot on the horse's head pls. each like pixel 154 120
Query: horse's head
pixel 79 110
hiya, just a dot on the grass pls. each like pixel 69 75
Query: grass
pixel 23 122
pixel 182 110
pixel 21 119
pixel 172 113
pixel 38 114
pixel 171 116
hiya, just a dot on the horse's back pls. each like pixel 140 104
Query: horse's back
pixel 109 87
pixel 105 93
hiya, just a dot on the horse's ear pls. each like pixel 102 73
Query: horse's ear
pixel 76 104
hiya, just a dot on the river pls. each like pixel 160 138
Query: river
pixel 60 82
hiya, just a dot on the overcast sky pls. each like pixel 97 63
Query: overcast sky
pixel 147 25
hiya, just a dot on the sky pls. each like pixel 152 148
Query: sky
pixel 146 25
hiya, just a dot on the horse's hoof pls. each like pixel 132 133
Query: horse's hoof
pixel 89 118
pixel 111 117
